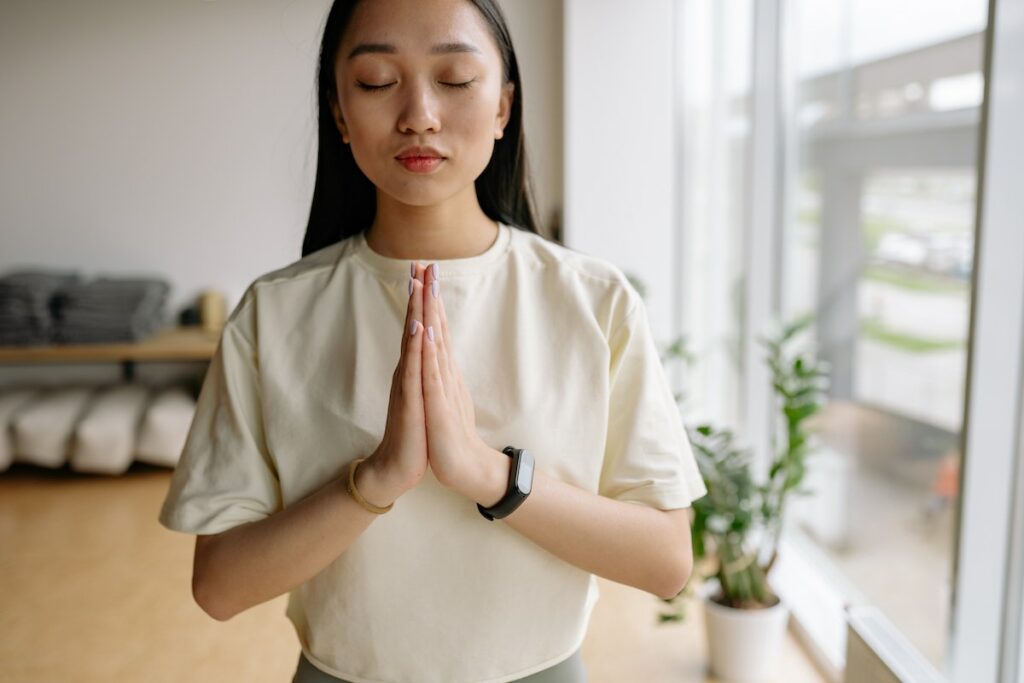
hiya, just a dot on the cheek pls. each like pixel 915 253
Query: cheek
pixel 363 118
pixel 371 134
pixel 474 121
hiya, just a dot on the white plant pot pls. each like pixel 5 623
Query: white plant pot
pixel 743 644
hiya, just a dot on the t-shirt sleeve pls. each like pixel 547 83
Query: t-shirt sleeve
pixel 225 475
pixel 648 457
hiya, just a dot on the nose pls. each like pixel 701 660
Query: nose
pixel 420 109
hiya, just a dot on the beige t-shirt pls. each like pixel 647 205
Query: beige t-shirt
pixel 556 351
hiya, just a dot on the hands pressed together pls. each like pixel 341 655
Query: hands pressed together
pixel 430 417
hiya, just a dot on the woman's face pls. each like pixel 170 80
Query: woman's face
pixel 420 73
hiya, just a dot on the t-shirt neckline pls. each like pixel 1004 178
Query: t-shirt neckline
pixel 469 265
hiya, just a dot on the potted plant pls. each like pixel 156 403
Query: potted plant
pixel 738 524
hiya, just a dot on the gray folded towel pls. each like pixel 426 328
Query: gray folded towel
pixel 26 304
pixel 41 306
pixel 109 309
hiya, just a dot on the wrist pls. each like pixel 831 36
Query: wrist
pixel 492 482
pixel 373 484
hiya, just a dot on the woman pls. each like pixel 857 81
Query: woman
pixel 422 246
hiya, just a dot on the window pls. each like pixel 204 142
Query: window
pixel 885 128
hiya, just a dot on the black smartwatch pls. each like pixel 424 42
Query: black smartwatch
pixel 520 482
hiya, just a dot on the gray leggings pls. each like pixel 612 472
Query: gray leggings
pixel 570 670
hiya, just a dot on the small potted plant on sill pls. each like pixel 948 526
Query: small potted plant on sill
pixel 738 523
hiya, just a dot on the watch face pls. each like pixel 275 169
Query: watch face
pixel 524 479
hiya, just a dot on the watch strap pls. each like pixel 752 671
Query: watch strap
pixel 514 495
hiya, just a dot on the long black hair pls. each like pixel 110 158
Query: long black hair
pixel 344 199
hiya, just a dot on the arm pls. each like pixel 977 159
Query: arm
pixel 640 546
pixel 632 544
pixel 255 562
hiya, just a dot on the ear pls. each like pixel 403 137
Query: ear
pixel 504 109
pixel 339 122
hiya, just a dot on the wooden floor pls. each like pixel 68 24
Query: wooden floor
pixel 94 589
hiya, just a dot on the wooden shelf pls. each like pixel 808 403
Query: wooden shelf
pixel 170 344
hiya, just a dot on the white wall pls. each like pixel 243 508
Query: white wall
pixel 536 28
pixel 619 141
pixel 178 138
pixel 162 137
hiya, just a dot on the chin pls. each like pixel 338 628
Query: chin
pixel 427 194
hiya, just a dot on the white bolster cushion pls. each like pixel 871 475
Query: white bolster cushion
pixel 165 427
pixel 12 401
pixel 104 440
pixel 43 430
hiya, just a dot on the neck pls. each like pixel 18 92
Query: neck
pixel 456 228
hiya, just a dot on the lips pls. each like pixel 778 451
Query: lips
pixel 421 164
pixel 420 158
pixel 419 153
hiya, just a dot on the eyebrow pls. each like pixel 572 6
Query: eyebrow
pixel 387 48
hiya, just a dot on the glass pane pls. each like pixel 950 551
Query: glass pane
pixel 878 243
pixel 714 40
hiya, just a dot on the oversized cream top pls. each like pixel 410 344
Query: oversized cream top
pixel 558 356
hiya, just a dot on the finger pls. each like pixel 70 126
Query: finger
pixel 444 317
pixel 454 374
pixel 416 307
pixel 412 387
pixel 468 411
pixel 466 405
pixel 433 386
pixel 432 317
pixel 449 368
pixel 415 270
pixel 413 311
pixel 448 356
pixel 444 331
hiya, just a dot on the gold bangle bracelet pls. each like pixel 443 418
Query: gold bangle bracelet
pixel 358 496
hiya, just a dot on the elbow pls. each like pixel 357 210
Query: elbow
pixel 206 600
pixel 205 592
pixel 678 576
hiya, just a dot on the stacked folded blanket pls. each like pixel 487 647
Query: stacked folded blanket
pixel 26 297
pixel 41 306
pixel 109 310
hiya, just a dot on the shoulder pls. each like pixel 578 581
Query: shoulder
pixel 593 279
pixel 318 263
pixel 306 273
pixel 550 254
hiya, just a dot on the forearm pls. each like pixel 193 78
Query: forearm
pixel 258 561
pixel 627 543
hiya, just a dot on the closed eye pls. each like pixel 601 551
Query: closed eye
pixel 368 86
pixel 371 88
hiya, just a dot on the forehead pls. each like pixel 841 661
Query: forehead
pixel 416 28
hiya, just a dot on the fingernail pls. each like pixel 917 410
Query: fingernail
pixel 412 269
pixel 410 286
pixel 435 270
pixel 412 328
pixel 430 332
pixel 433 288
